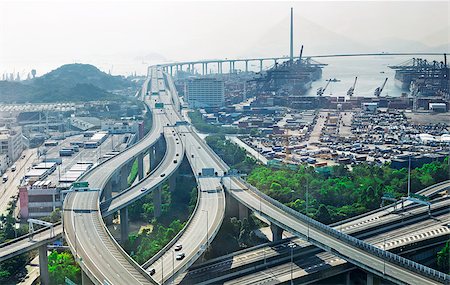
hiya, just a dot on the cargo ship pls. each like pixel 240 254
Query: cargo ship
pixel 422 77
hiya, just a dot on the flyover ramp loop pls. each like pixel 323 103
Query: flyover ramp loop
pixel 167 166
pixel 99 255
pixel 375 260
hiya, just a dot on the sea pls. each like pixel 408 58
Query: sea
pixel 370 70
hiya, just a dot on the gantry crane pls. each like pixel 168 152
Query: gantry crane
pixel 321 90
pixel 352 89
pixel 378 90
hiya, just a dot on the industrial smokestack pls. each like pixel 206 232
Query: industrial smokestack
pixel 292 36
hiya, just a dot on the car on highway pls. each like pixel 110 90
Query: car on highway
pixel 143 189
pixel 180 256
pixel 178 247
pixel 175 161
pixel 162 175
pixel 152 271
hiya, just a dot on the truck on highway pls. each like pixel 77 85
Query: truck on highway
pixel 159 105
pixel 66 152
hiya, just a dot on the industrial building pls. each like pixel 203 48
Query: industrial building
pixel 123 127
pixel 205 93
pixel 11 143
pixel 39 199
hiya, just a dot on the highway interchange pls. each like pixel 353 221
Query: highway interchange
pixel 105 262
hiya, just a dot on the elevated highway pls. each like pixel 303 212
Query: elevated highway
pixel 209 211
pixel 100 257
pixel 247 264
pixel 362 254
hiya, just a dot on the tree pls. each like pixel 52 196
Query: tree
pixel 443 258
pixel 323 215
pixel 61 265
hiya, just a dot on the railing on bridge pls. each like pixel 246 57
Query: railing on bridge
pixel 386 255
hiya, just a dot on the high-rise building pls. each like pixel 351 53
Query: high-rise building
pixel 205 93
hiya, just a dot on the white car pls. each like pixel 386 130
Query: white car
pixel 178 247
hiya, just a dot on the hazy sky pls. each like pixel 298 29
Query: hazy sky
pixel 127 35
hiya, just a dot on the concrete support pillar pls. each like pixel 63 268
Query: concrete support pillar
pixel 107 194
pixel 157 201
pixel 348 279
pixel 206 68
pixel 141 166
pixel 277 232
pixel 107 191
pixel 246 66
pixel 85 279
pixel 243 212
pixel 171 70
pixel 260 65
pixel 123 181
pixel 173 182
pixel 43 265
pixel 275 62
pixel 219 67
pixel 151 158
pixel 203 68
pixel 232 206
pixel 372 279
pixel 231 68
pixel 124 226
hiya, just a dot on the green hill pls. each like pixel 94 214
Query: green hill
pixel 70 82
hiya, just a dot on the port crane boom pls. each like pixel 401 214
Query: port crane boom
pixel 378 90
pixel 352 89
pixel 321 90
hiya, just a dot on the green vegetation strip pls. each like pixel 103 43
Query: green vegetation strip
pixel 133 173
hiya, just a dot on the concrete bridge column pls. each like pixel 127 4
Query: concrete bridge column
pixel 246 66
pixel 107 194
pixel 260 65
pixel 157 201
pixel 171 70
pixel 277 232
pixel 372 280
pixel 232 206
pixel 43 265
pixel 243 212
pixel 173 181
pixel 124 173
pixel 203 68
pixel 140 166
pixel 206 68
pixel 231 67
pixel 85 279
pixel 124 225
pixel 151 158
pixel 275 62
pixel 348 279
pixel 107 191
pixel 219 67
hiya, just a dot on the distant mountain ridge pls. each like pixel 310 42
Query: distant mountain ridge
pixel 70 82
